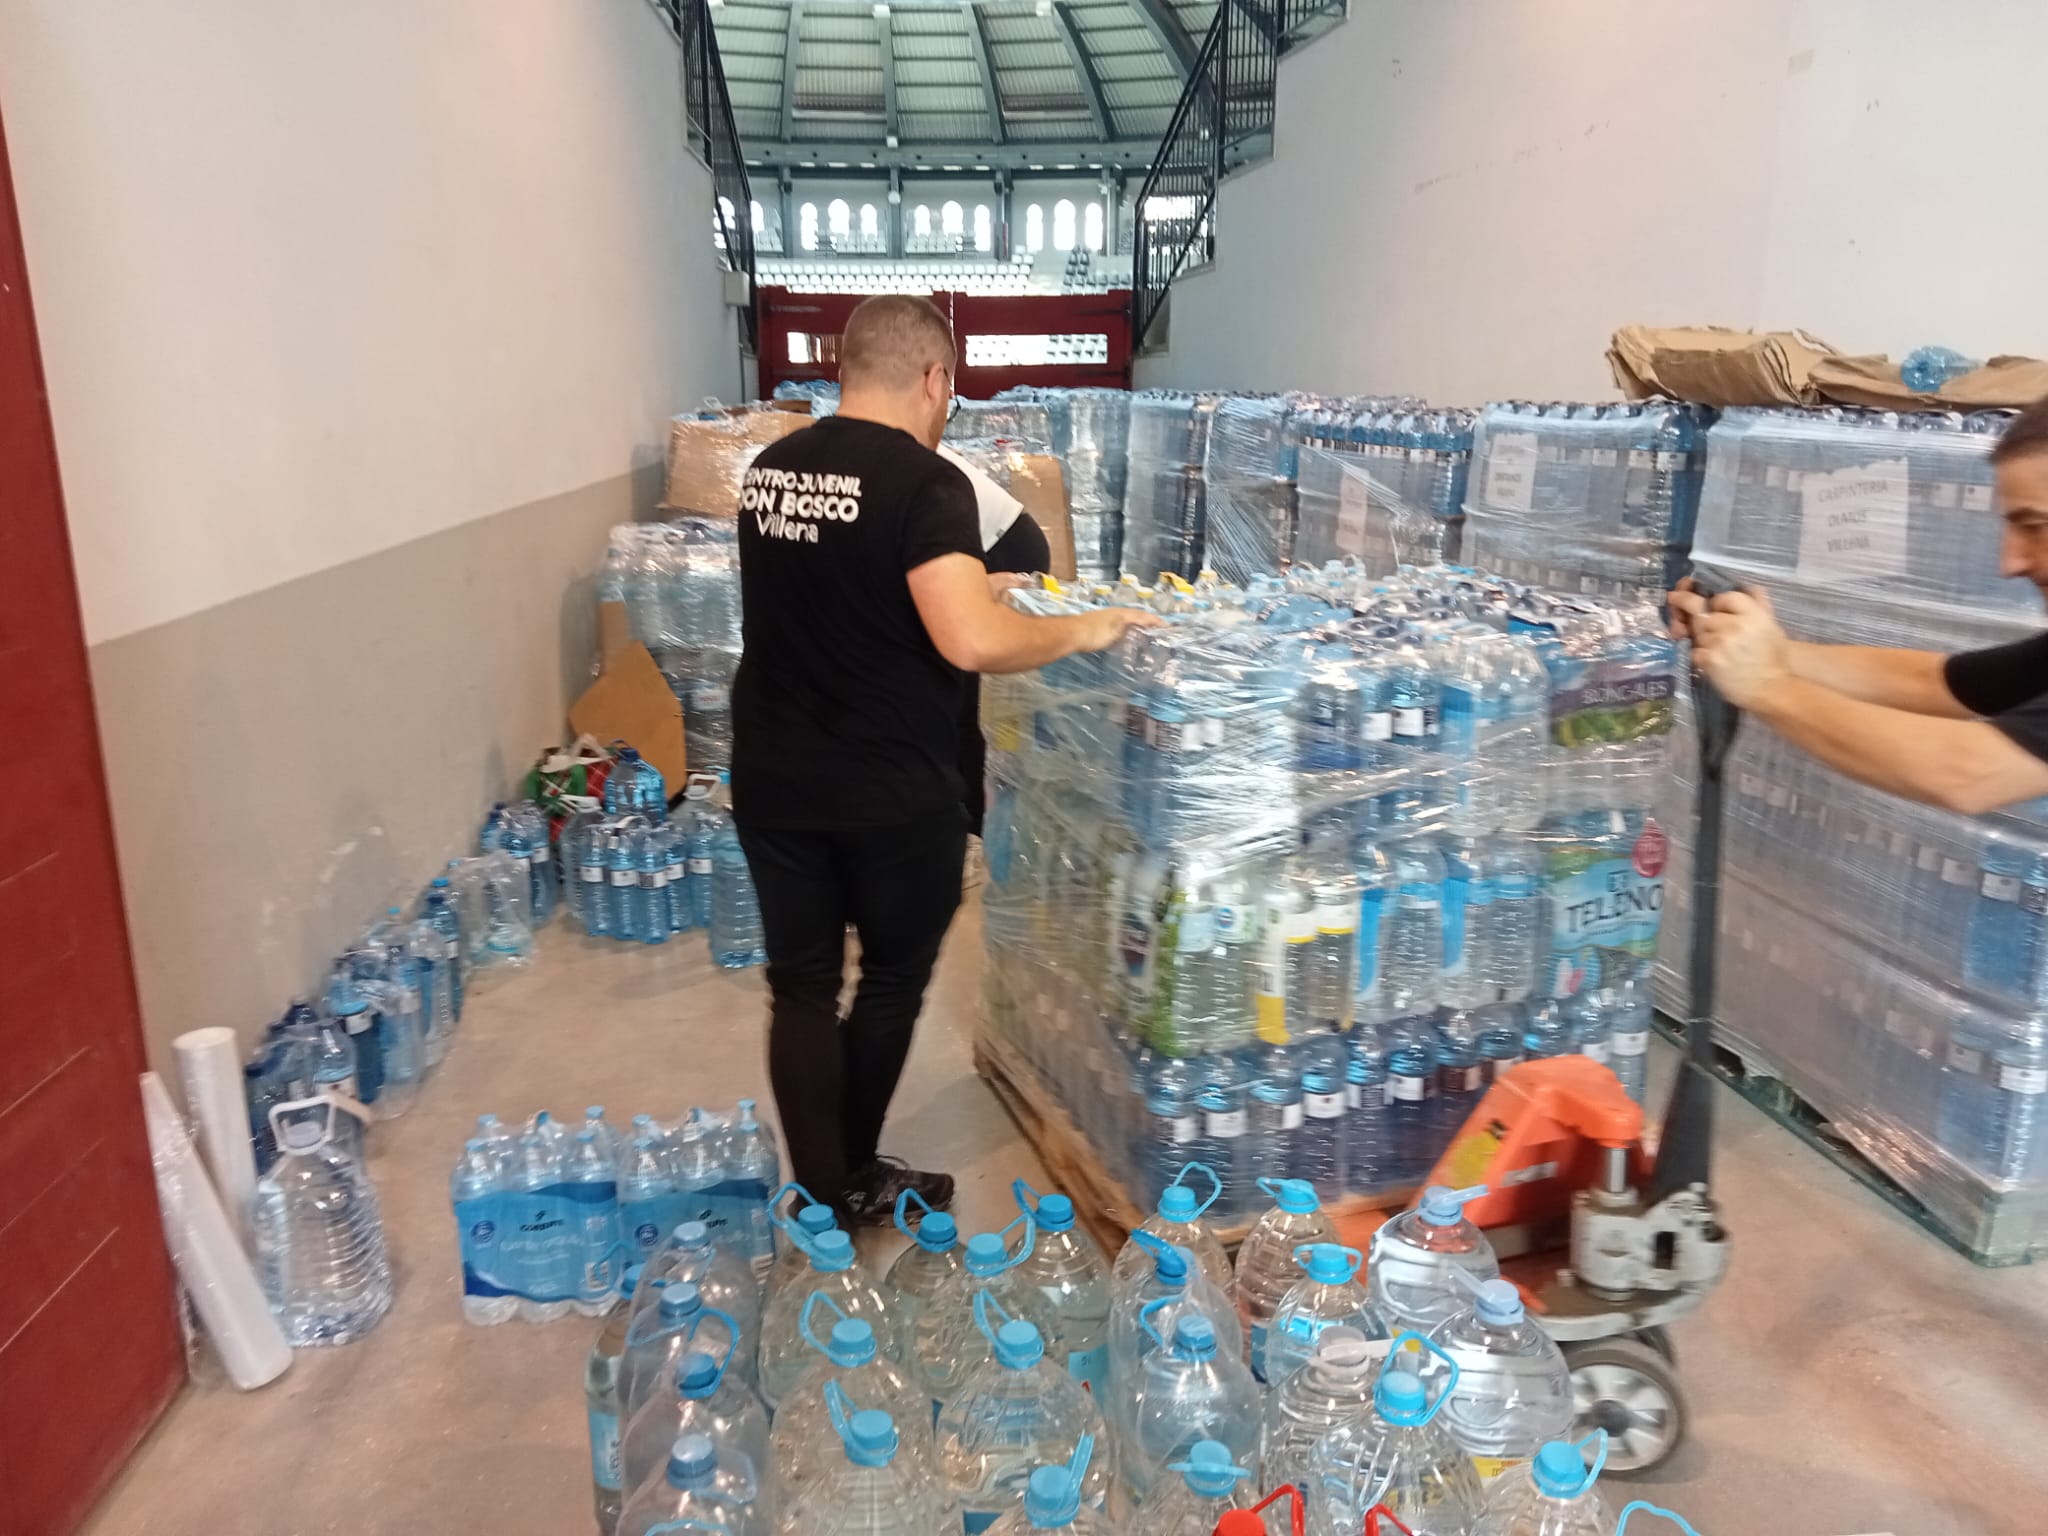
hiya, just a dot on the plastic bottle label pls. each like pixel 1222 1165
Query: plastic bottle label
pixel 624 877
pixel 2027 1080
pixel 538 854
pixel 1491 1467
pixel 1224 1124
pixel 591 874
pixel 1595 1050
pixel 451 951
pixel 1407 1090
pixel 1630 1042
pixel 1290 1117
pixel 1379 726
pixel 1464 1079
pixel 1322 1106
pixel 700 866
pixel 1183 1128
pixel 604 1450
pixel 1090 1367
pixel 2001 887
pixel 1409 722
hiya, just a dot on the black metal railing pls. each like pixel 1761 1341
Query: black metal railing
pixel 1224 119
pixel 714 138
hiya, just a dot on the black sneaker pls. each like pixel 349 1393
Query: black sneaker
pixel 871 1193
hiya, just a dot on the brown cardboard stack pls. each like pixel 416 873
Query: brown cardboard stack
pixel 708 455
pixel 1712 365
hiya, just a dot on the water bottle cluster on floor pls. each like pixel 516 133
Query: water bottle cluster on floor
pixel 1887 960
pixel 680 584
pixel 1281 886
pixel 1074 1393
pixel 550 1218
pixel 641 875
pixel 1381 484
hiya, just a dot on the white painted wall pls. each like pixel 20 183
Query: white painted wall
pixel 1468 196
pixel 317 279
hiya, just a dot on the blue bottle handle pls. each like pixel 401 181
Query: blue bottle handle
pixel 1026 1197
pixel 902 1207
pixel 732 1345
pixel 803 1319
pixel 1030 1226
pixel 1145 1318
pixel 1215 1185
pixel 1621 1525
pixel 1159 1248
pixel 841 1409
pixel 983 1305
pixel 1077 1466
pixel 1401 1341
pixel 1272 1189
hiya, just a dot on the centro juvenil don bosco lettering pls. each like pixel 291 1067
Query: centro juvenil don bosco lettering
pixel 786 503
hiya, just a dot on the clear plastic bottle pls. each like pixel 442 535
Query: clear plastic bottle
pixel 703 1488
pixel 601 1404
pixel 319 1239
pixel 803 1444
pixel 1073 1277
pixel 550 1267
pixel 1319 1145
pixel 1014 1411
pixel 1514 1389
pixel 593 1186
pixel 704 1398
pixel 917 1276
pixel 1187 1390
pixel 1398 1456
pixel 474 1189
pixel 873 1491
pixel 1328 1294
pixel 1265 1259
pixel 1333 1388
pixel 1174 1278
pixel 722 1278
pixel 1055 1500
pixel 1628 1039
pixel 1209 1484
pixel 646 1193
pixel 784 1355
pixel 1553 1495
pixel 752 1159
pixel 656 1341
pixel 948 1341
pixel 1414 1255
pixel 1178 1220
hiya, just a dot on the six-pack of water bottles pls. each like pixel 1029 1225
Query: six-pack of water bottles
pixel 1888 960
pixel 1017 1381
pixel 1281 885
pixel 549 1219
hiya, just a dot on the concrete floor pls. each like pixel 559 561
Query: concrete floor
pixel 1851 1376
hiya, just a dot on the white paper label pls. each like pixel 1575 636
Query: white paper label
pixel 538 855
pixel 1929 860
pixel 1596 1050
pixel 1751 784
pixel 700 866
pixel 1511 459
pixel 452 951
pixel 2023 1079
pixel 1633 1042
pixel 1225 1123
pixel 2001 887
pixel 623 877
pixel 1409 722
pixel 1290 1117
pixel 1322 1106
pixel 1354 496
pixel 1379 726
pixel 1184 1128
pixel 1976 498
pixel 1946 495
pixel 1407 1090
pixel 1956 872
pixel 1962 1059
pixel 1852 522
pixel 593 874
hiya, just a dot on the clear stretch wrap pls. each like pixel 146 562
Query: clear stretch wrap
pixel 1381 482
pixel 1596 499
pixel 1279 885
pixel 1248 488
pixel 1887 960
pixel 1165 521
pixel 680 583
pixel 1090 436
pixel 1023 422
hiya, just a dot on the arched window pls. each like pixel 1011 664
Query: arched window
pixel 807 226
pixel 952 218
pixel 760 217
pixel 921 221
pixel 984 228
pixel 870 222
pixel 1063 225
pixel 1091 227
pixel 1034 228
pixel 839 218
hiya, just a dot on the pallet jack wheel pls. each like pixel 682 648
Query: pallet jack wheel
pixel 1628 1388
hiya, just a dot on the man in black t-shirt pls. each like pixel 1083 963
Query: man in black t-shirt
pixel 866 605
pixel 1967 732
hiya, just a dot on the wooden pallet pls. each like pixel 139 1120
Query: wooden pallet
pixel 1104 1206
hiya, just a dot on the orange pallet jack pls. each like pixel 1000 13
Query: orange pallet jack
pixel 1608 1243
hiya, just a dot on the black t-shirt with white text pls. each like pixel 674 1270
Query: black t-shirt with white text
pixel 2007 685
pixel 844 712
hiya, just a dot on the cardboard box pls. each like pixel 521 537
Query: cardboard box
pixel 708 456
pixel 632 702
pixel 2003 382
pixel 1713 365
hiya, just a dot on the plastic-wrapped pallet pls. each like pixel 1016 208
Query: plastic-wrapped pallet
pixel 1311 829
pixel 680 583
pixel 1383 483
pixel 1597 499
pixel 1248 488
pixel 1164 495
pixel 1093 431
pixel 1887 960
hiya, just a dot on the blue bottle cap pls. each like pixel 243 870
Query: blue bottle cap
pixel 438 883
pixel 593 1111
pixel 1559 1471
pixel 986 1254
pixel 1177 1203
pixel 1499 1303
pixel 1194 1337
pixel 1210 1471
pixel 1328 1263
pixel 1297 1197
pixel 937 1233
pixel 816 1219
pixel 851 1343
pixel 1051 1498
pixel 1399 1396
pixel 680 1300
pixel 696 1375
pixel 1170 1267
pixel 871 1438
pixel 630 1281
pixel 831 1251
pixel 1442 1206
pixel 692 1234
pixel 692 1460
pixel 1018 1345
pixel 1055 1214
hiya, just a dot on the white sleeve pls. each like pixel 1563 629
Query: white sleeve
pixel 997 506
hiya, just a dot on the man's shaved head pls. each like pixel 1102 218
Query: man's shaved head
pixel 891 341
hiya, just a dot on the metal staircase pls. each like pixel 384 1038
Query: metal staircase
pixel 714 139
pixel 1224 121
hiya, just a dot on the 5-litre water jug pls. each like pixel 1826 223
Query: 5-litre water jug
pixel 1332 1389
pixel 1266 1269
pixel 1514 1389
pixel 812 1219
pixel 1328 1294
pixel 601 1402
pixel 657 1341
pixel 1014 1411
pixel 1398 1455
pixel 804 1447
pixel 320 1251
pixel 948 1342
pixel 703 1398
pixel 1071 1274
pixel 703 1489
pixel 785 1353
pixel 1055 1500
pixel 1175 1279
pixel 724 1279
pixel 1210 1483
pixel 873 1490
pixel 917 1276
pixel 1552 1495
pixel 1179 1221
pixel 1414 1255
pixel 1187 1390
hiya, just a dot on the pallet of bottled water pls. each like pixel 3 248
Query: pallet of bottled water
pixel 550 1217
pixel 1887 960
pixel 1280 886
pixel 1599 499
pixel 680 585
pixel 1090 432
pixel 1165 498
pixel 1382 483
